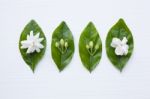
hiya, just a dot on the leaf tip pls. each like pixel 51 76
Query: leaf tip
pixel 63 22
pixel 120 70
pixel 33 70
pixel 60 70
pixel 90 71
pixel 32 21
pixel 121 20
pixel 90 23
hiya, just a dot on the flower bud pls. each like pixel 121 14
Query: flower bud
pixel 87 46
pixel 62 42
pixel 91 44
pixel 66 44
pixel 57 44
pixel 96 47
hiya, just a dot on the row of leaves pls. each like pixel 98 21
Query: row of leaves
pixel 89 57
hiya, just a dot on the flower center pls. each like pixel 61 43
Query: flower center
pixel 33 44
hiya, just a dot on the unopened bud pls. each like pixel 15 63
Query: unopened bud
pixel 66 44
pixel 87 46
pixel 62 42
pixel 57 44
pixel 91 44
pixel 96 47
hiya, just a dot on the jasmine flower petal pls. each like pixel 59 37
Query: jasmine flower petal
pixel 37 35
pixel 41 39
pixel 125 49
pixel 115 42
pixel 124 41
pixel 40 46
pixel 119 51
pixel 37 50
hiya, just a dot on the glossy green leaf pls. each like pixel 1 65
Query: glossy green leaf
pixel 90 47
pixel 62 47
pixel 119 30
pixel 32 59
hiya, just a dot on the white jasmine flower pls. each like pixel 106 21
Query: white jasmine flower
pixel 121 47
pixel 33 43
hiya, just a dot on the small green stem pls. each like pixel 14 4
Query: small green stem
pixel 91 52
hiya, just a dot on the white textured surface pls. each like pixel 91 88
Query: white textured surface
pixel 17 80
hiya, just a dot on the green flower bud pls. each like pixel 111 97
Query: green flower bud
pixel 62 42
pixel 91 44
pixel 66 44
pixel 96 47
pixel 57 44
pixel 87 46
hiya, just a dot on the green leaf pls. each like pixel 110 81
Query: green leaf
pixel 90 47
pixel 119 30
pixel 62 47
pixel 33 58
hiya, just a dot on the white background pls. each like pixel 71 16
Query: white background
pixel 17 80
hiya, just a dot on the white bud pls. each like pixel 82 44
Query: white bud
pixel 91 44
pixel 66 44
pixel 62 42
pixel 57 44
pixel 87 46
pixel 96 47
